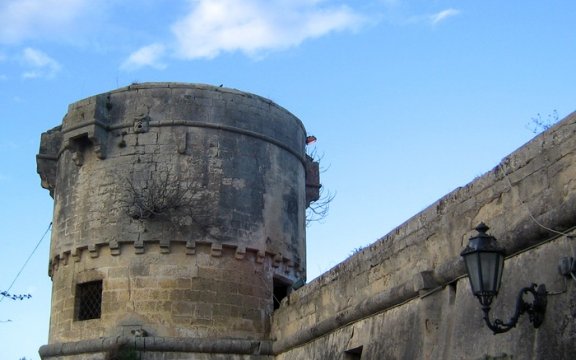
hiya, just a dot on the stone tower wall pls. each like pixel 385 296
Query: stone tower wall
pixel 186 201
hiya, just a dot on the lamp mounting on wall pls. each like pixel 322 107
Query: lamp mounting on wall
pixel 484 261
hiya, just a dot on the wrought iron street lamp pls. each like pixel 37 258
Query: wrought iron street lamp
pixel 484 261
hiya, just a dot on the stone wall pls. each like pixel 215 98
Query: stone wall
pixel 407 297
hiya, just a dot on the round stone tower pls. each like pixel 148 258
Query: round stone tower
pixel 179 222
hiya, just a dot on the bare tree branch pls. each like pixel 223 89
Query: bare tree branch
pixel 538 125
pixel 158 196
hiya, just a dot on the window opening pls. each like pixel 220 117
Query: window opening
pixel 89 300
pixel 280 291
pixel 353 354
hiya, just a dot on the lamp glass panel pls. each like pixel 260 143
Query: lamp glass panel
pixel 491 271
pixel 500 270
pixel 474 274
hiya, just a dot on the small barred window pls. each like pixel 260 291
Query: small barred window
pixel 89 300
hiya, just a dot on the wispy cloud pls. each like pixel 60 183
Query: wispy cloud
pixel 150 55
pixel 408 16
pixel 23 19
pixel 443 15
pixel 39 64
pixel 253 27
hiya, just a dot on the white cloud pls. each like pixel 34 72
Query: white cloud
pixel 40 65
pixel 22 19
pixel 443 15
pixel 254 26
pixel 146 56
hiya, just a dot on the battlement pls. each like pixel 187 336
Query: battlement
pixel 281 265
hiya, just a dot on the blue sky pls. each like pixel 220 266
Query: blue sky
pixel 409 99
